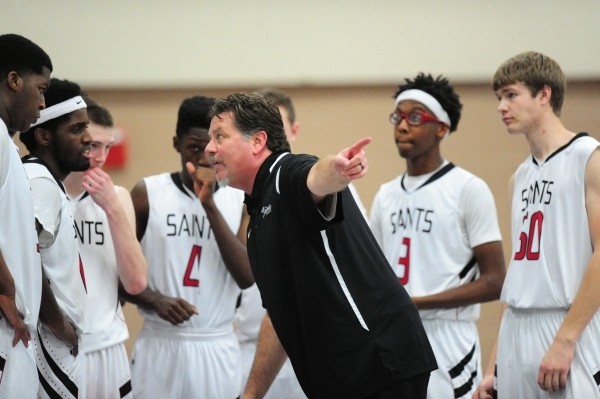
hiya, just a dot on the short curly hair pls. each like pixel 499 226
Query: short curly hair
pixel 21 55
pixel 441 90
pixel 193 112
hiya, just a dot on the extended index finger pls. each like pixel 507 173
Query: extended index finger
pixel 358 146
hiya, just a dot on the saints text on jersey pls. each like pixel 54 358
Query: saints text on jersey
pixel 419 219
pixel 191 225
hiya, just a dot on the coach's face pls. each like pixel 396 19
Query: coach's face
pixel 230 154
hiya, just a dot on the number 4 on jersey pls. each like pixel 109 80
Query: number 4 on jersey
pixel 188 281
pixel 526 248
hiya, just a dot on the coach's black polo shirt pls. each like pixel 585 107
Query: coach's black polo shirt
pixel 345 321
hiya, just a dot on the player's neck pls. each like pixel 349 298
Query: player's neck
pixel 548 137
pixel 424 164
pixel 73 184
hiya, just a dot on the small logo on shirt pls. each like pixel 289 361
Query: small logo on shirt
pixel 266 210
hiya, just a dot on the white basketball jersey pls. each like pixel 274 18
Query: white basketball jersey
pixel 420 234
pixel 184 260
pixel 60 258
pixel 107 326
pixel 18 237
pixel 550 232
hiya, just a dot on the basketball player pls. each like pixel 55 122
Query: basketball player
pixel 548 341
pixel 59 144
pixel 105 226
pixel 437 225
pixel 334 304
pixel 24 77
pixel 196 267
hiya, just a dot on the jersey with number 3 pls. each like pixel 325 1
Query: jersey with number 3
pixel 550 231
pixel 425 238
pixel 184 260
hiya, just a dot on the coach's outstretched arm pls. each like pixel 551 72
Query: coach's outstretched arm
pixel 332 174
pixel 268 360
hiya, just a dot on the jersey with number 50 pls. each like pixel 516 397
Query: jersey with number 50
pixel 427 234
pixel 184 260
pixel 550 232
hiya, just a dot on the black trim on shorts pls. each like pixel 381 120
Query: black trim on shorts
pixel 2 363
pixel 125 389
pixel 597 378
pixel 70 385
pixel 466 387
pixel 458 369
pixel 32 159
pixel 467 267
pixel 51 392
pixel 433 177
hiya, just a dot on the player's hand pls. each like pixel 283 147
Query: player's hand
pixel 485 390
pixel 100 186
pixel 174 310
pixel 66 332
pixel 14 318
pixel 351 162
pixel 555 366
pixel 204 181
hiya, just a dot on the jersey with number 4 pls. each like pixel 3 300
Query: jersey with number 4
pixel 550 231
pixel 426 239
pixel 184 260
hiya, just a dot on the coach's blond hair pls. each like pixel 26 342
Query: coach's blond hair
pixel 534 70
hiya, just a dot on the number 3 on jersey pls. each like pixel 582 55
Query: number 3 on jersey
pixel 527 241
pixel 404 261
pixel 188 281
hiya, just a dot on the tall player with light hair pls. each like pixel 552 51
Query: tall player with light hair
pixel 548 344
pixel 437 225
pixel 105 226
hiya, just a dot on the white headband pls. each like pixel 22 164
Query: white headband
pixel 53 112
pixel 427 100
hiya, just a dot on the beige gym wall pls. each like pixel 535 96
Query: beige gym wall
pixel 332 118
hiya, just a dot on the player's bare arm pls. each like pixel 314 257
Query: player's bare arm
pixel 555 365
pixel 173 310
pixel 268 360
pixel 332 174
pixel 487 287
pixel 9 306
pixel 232 248
pixel 131 264
pixel 51 315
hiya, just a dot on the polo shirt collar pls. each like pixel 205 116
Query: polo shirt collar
pixel 261 178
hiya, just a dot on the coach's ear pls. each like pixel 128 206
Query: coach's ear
pixel 176 143
pixel 42 136
pixel 259 141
